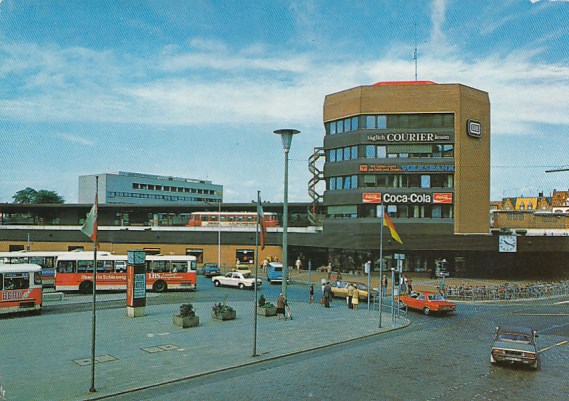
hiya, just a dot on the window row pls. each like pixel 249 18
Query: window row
pixel 113 194
pixel 390 152
pixel 395 211
pixel 391 121
pixel 391 181
pixel 152 187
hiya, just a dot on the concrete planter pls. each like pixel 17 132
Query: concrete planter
pixel 226 315
pixel 267 311
pixel 186 321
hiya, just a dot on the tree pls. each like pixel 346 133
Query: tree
pixel 31 196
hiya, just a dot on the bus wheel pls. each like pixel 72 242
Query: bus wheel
pixel 159 286
pixel 86 287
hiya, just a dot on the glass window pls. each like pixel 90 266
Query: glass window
pixel 332 155
pixel 382 122
pixel 347 182
pixel 338 182
pixel 370 122
pixel 354 123
pixel 425 181
pixel 332 184
pixel 354 151
pixel 339 154
pixel 346 153
pixel 437 212
pixel 370 151
pixel 369 180
pixel 354 181
pixel 332 128
pixel 381 152
pixel 340 127
pixel 347 127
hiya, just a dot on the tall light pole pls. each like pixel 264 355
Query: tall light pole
pixel 286 136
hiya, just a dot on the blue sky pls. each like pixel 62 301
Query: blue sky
pixel 196 88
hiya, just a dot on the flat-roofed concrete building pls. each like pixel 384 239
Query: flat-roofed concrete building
pixel 146 189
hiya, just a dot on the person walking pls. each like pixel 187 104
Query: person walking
pixel 327 295
pixel 311 293
pixel 384 285
pixel 355 298
pixel 298 264
pixel 350 295
pixel 281 303
pixel 409 285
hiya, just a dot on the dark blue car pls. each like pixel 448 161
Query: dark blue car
pixel 210 269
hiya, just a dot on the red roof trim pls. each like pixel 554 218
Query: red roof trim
pixel 386 83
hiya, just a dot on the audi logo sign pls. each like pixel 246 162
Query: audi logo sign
pixel 473 128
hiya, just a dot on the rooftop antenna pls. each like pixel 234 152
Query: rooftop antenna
pixel 415 51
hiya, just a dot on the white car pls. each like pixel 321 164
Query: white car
pixel 236 279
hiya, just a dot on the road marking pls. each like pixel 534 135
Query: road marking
pixel 561 303
pixel 540 314
pixel 555 345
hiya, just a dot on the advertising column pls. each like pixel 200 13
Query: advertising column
pixel 136 284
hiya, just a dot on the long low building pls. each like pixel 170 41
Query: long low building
pixel 57 227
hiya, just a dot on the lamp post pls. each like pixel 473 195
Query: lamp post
pixel 286 136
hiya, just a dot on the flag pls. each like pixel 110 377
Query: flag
pixel 261 220
pixel 90 226
pixel 388 223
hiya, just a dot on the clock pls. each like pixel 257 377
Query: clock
pixel 136 257
pixel 507 243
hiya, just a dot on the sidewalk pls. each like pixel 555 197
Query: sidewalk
pixel 48 357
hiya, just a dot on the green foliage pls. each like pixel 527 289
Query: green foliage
pixel 221 307
pixel 264 304
pixel 187 310
pixel 31 196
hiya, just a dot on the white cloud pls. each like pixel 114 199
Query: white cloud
pixel 75 139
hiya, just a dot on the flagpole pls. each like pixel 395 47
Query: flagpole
pixel 256 274
pixel 381 265
pixel 94 320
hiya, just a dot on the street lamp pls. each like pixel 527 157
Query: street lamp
pixel 286 136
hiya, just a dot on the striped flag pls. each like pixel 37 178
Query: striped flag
pixel 91 225
pixel 388 223
pixel 261 221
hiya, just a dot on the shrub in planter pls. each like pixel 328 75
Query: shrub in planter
pixel 187 317
pixel 222 311
pixel 265 308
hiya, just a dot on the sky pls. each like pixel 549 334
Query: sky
pixel 196 88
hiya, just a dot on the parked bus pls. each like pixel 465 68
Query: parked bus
pixel 200 219
pixel 46 259
pixel 74 272
pixel 20 288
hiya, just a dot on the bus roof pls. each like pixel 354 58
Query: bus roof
pixel 19 267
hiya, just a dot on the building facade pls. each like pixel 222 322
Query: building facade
pixel 145 189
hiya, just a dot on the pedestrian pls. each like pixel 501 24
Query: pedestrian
pixel 265 265
pixel 350 295
pixel 327 295
pixel 410 285
pixel 298 264
pixel 281 303
pixel 403 284
pixel 384 285
pixel 311 292
pixel 355 298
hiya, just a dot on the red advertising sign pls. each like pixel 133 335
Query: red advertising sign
pixel 442 197
pixel 371 197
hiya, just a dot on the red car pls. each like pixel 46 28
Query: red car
pixel 428 302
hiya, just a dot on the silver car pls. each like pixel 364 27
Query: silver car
pixel 515 345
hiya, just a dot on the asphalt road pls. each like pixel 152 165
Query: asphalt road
pixel 436 358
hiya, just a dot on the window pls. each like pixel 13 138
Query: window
pixel 347 182
pixel 198 253
pixel 382 122
pixel 381 152
pixel 245 256
pixel 347 153
pixel 354 151
pixel 425 181
pixel 338 182
pixel 16 281
pixel 332 127
pixel 332 184
pixel 339 154
pixel 354 123
pixel 340 127
pixel 347 127
pixel 370 122
pixel 370 151
pixel 332 155
pixel 354 181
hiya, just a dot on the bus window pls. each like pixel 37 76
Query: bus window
pixel 178 267
pixel 84 266
pixel 105 266
pixel 37 278
pixel 120 266
pixel 1 282
pixel 16 281
pixel 66 266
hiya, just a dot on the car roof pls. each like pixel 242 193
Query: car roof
pixel 515 329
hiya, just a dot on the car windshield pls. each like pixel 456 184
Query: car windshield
pixel 246 275
pixel 436 297
pixel 514 337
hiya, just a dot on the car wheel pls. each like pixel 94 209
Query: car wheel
pixel 86 287
pixel 241 286
pixel 534 365
pixel 216 283
pixel 426 310
pixel 159 286
pixel 492 360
